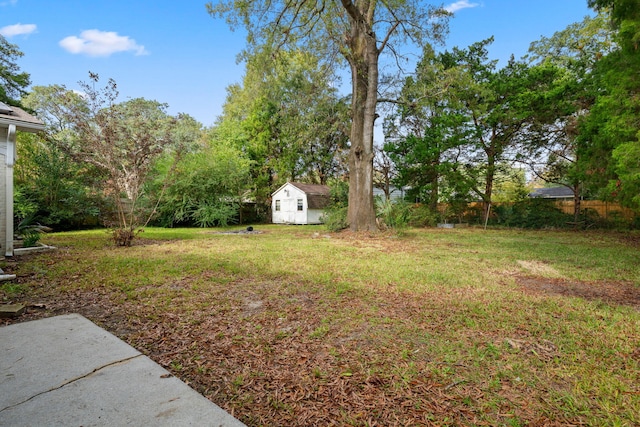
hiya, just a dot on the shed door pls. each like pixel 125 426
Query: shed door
pixel 290 210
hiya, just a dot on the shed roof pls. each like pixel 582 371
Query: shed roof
pixel 21 119
pixel 322 190
pixel 552 193
pixel 317 195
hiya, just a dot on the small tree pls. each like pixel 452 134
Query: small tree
pixel 121 140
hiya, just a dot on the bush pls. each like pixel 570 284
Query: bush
pixel 29 230
pixel 423 216
pixel 335 214
pixel 394 215
pixel 530 213
pixel 212 214
pixel 123 236
pixel 335 218
pixel 30 239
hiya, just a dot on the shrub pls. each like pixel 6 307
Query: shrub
pixel 423 216
pixel 394 215
pixel 29 230
pixel 335 218
pixel 335 214
pixel 531 213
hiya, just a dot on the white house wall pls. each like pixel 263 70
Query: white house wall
pixel 395 194
pixel 3 189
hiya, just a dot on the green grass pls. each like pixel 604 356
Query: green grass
pixel 445 310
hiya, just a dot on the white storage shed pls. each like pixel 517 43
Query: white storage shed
pixel 296 203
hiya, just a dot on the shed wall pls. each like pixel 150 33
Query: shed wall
pixel 314 216
pixel 289 213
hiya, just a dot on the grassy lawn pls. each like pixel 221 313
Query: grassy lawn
pixel 295 326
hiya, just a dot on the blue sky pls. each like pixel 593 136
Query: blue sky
pixel 174 52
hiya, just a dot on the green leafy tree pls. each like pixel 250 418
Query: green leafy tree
pixel 506 109
pixel 287 119
pixel 357 31
pixel 609 135
pixel 426 127
pixel 207 187
pixel 553 156
pixel 13 82
pixel 460 118
pixel 511 184
pixel 60 189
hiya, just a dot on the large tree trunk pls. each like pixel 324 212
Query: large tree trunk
pixel 364 70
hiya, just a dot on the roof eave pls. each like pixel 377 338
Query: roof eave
pixel 21 125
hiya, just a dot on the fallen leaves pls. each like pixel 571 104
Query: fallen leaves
pixel 282 351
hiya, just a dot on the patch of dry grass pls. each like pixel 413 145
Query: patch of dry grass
pixel 295 327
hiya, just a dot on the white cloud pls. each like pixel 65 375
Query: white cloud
pixel 101 43
pixel 459 5
pixel 17 29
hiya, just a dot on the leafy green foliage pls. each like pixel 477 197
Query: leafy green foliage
pixel 206 188
pixel 52 187
pixel 335 214
pixel 609 135
pixel 531 213
pixel 626 158
pixel 29 231
pixel 460 121
pixel 287 120
pixel 511 185
pixel 395 215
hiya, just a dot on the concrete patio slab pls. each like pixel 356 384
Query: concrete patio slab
pixel 67 371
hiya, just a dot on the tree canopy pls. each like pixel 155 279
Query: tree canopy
pixel 358 32
pixel 13 82
pixel 609 136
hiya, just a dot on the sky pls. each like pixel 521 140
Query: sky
pixel 174 52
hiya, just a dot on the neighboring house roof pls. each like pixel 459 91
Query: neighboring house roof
pixel 317 195
pixel 21 119
pixel 552 193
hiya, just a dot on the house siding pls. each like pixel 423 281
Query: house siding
pixel 395 194
pixel 3 191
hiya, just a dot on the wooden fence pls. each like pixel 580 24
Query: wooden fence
pixel 605 210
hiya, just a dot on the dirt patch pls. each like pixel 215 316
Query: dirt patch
pixel 616 293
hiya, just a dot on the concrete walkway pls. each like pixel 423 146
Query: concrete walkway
pixel 66 371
